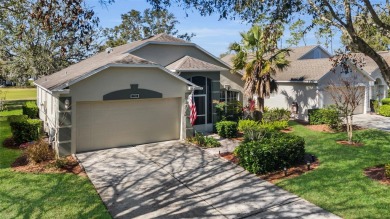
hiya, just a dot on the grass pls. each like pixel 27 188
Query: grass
pixel 19 93
pixel 26 195
pixel 339 184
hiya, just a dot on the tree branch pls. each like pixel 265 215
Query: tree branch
pixel 375 16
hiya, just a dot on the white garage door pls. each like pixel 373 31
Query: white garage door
pixel 110 124
pixel 328 100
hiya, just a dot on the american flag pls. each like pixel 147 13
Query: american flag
pixel 191 105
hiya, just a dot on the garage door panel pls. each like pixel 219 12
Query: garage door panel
pixel 119 123
pixel 328 100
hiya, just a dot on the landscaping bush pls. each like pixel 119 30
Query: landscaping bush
pixel 375 105
pixel 387 170
pixel 247 124
pixel 384 110
pixel 25 130
pixel 30 109
pixel 204 141
pixel 231 111
pixel 273 152
pixel 386 101
pixel 274 126
pixel 227 129
pixel 329 116
pixel 17 118
pixel 38 152
pixel 276 114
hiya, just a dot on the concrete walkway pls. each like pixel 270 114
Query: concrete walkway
pixel 174 180
pixel 372 121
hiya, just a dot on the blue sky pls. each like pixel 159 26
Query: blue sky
pixel 212 34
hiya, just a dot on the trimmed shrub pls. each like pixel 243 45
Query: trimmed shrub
pixel 384 110
pixel 38 152
pixel 26 130
pixel 329 116
pixel 17 118
pixel 204 141
pixel 386 101
pixel 30 109
pixel 273 152
pixel 276 114
pixel 227 129
pixel 274 126
pixel 387 170
pixel 247 124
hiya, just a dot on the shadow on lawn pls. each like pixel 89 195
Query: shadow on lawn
pixel 172 180
pixel 48 196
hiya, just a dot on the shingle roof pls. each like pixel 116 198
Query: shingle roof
pixel 298 52
pixel 119 55
pixel 306 69
pixel 371 65
pixel 188 63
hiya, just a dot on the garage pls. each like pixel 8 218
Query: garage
pixel 108 124
pixel 328 100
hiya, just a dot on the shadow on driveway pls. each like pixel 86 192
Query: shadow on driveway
pixel 174 180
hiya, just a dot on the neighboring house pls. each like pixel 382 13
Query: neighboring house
pixel 133 94
pixel 305 81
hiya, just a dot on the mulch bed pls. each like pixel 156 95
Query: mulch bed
pixel 278 175
pixel 320 128
pixel 353 144
pixel 287 130
pixel 21 164
pixel 377 173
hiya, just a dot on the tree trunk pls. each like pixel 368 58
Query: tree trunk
pixel 260 103
pixel 363 47
pixel 350 133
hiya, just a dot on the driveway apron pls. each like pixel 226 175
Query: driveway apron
pixel 173 180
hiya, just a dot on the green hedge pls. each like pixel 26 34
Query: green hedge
pixel 272 152
pixel 328 116
pixel 384 110
pixel 227 129
pixel 247 124
pixel 386 101
pixel 30 109
pixel 17 118
pixel 25 130
pixel 276 114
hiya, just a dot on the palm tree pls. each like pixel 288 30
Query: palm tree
pixel 257 55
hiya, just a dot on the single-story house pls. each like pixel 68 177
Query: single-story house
pixel 306 80
pixel 133 94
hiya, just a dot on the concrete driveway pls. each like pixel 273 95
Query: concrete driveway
pixel 174 180
pixel 372 121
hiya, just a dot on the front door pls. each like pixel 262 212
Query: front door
pixel 203 103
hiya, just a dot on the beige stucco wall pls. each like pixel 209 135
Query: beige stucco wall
pixel 379 91
pixel 117 78
pixel 361 80
pixel 304 94
pixel 235 83
pixel 167 54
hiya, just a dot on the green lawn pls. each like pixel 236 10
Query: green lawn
pixel 19 93
pixel 43 195
pixel 339 184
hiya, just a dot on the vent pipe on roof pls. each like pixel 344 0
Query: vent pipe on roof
pixel 109 50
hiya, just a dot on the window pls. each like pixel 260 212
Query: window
pixel 229 96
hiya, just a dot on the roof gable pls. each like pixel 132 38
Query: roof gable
pixel 188 63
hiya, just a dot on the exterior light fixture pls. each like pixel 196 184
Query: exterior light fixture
pixel 308 165
pixel 67 104
pixel 285 171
